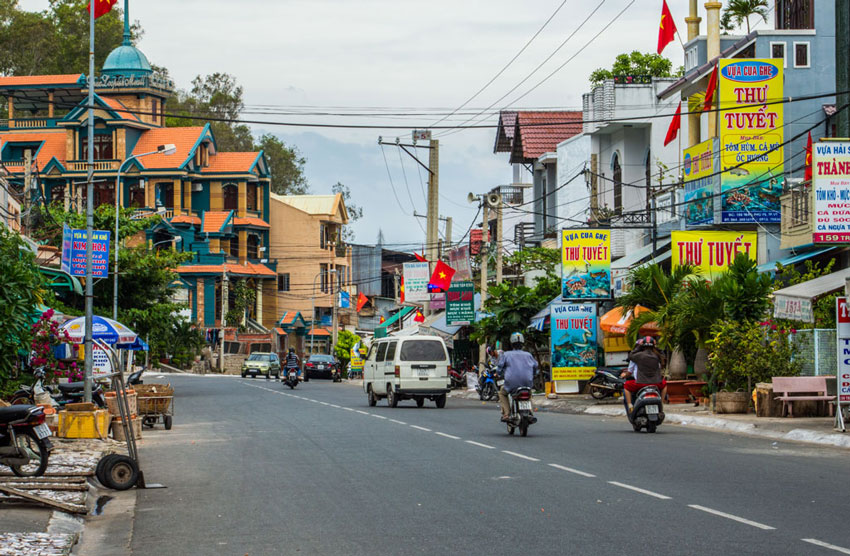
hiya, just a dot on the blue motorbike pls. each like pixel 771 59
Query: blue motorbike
pixel 487 387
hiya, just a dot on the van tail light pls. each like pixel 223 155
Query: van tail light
pixel 397 370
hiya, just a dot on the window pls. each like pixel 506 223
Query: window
pixel 231 197
pixel 165 195
pixel 324 277
pixel 342 275
pixel 283 282
pixel 102 146
pixel 252 197
pixel 801 55
pixel 154 109
pixel 777 50
pixel 382 352
pixel 234 247
pixel 423 350
pixel 253 247
pixel 391 351
pixel 690 59
pixel 618 184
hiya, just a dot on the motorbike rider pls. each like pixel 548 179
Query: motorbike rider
pixel 645 364
pixel 518 368
pixel 291 362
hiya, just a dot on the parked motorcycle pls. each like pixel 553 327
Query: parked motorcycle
pixel 648 411
pixel 521 416
pixel 291 379
pixel 24 440
pixel 457 378
pixel 605 383
pixel 487 387
pixel 71 392
pixel 336 376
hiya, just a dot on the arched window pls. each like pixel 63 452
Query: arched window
pixel 618 184
pixel 231 197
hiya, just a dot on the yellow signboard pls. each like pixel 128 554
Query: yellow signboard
pixel 712 252
pixel 751 139
pixel 700 173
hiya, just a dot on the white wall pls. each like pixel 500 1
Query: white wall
pixel 573 202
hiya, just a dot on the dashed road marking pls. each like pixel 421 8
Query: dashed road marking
pixel 640 490
pixel 334 405
pixel 733 517
pixel 377 416
pixel 480 445
pixel 571 470
pixel 348 409
pixel 420 428
pixel 523 456
pixel 827 545
pixel 397 421
pixel 453 437
pixel 362 412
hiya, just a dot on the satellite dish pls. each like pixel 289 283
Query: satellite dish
pixel 471 198
pixel 493 199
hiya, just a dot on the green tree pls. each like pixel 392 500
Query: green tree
pixel 286 165
pixel 823 307
pixel 745 292
pixel 355 212
pixel 243 297
pixel 636 63
pixel 737 12
pixel 344 342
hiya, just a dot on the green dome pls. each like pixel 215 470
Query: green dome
pixel 126 60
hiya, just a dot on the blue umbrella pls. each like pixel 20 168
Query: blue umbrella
pixel 137 345
pixel 103 329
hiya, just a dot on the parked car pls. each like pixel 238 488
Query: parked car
pixel 320 365
pixel 414 368
pixel 261 363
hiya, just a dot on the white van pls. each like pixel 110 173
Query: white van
pixel 408 368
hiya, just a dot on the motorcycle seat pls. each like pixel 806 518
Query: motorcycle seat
pixel 71 387
pixel 14 413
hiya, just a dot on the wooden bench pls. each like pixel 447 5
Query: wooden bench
pixel 800 388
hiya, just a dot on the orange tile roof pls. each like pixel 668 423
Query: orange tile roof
pixel 214 220
pixel 319 332
pixel 184 138
pixel 280 331
pixel 121 108
pixel 54 144
pixel 231 162
pixel 18 80
pixel 247 269
pixel 251 221
pixel 185 219
pixel 540 132
pixel 288 317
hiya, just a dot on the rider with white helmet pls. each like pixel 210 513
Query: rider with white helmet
pixel 518 368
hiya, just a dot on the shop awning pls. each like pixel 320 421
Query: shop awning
pixel 795 302
pixel 638 255
pixel 381 331
pixel 771 266
pixel 615 322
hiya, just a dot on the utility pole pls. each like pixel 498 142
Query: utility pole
pixel 334 277
pixel 28 200
pixel 432 226
pixel 594 198
pixel 224 309
pixel 449 231
pixel 89 318
pixel 499 255
pixel 485 236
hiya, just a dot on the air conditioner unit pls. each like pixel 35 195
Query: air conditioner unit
pixel 197 187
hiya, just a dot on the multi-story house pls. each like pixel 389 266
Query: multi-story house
pixel 214 204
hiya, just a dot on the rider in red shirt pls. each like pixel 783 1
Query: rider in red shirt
pixel 645 364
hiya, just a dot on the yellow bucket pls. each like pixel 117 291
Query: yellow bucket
pixel 84 424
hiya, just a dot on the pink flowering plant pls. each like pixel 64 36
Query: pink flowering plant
pixel 46 334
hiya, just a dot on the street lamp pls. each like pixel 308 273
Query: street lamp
pixel 177 239
pixel 313 314
pixel 162 149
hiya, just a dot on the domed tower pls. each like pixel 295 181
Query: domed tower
pixel 127 76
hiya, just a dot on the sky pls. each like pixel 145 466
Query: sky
pixel 402 57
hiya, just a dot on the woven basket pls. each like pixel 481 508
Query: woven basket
pixel 151 398
pixel 118 429
pixel 731 402
pixel 112 403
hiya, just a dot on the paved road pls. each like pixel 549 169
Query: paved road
pixel 254 468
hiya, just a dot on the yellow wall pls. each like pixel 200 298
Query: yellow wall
pixel 242 212
pixel 216 199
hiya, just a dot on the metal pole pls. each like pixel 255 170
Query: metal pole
pixel 334 316
pixel 89 360
pixel 224 300
pixel 28 196
pixel 499 209
pixel 448 232
pixel 485 236
pixel 117 243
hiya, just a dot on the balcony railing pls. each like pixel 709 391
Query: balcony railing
pixel 99 165
pixel 140 214
pixel 511 194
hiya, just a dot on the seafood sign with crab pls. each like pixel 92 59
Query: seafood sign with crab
pixel 586 264
pixel 573 340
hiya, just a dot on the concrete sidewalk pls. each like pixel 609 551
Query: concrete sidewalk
pixel 813 430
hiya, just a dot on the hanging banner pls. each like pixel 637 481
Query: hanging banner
pixel 357 361
pixel 459 260
pixel 460 303
pixel 711 252
pixel 74 252
pixel 701 167
pixel 831 184
pixel 752 136
pixel 573 340
pixel 585 264
pixel 416 277
pixel 842 343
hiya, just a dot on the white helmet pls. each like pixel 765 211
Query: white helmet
pixel 517 338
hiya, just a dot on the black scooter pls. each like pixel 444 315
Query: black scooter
pixel 24 440
pixel 605 383
pixel 648 411
pixel 521 416
pixel 291 379
pixel 63 393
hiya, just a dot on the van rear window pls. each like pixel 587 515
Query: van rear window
pixel 423 350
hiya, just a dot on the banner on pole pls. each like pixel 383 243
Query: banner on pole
pixel 416 277
pixel 573 340
pixel 831 184
pixel 74 252
pixel 460 303
pixel 585 264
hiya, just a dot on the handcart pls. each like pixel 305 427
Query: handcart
pixel 156 404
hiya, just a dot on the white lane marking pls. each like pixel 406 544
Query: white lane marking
pixel 480 445
pixel 420 428
pixel 397 421
pixel 363 412
pixel 453 437
pixel 378 416
pixel 529 458
pixel 827 545
pixel 571 470
pixel 348 409
pixel 324 403
pixel 641 490
pixel 733 517
pixel 334 405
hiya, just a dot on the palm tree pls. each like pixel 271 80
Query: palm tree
pixel 740 11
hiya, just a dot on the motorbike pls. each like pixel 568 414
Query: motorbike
pixel 521 416
pixel 648 411
pixel 457 378
pixel 24 440
pixel 336 376
pixel 291 379
pixel 71 392
pixel 487 387
pixel 605 383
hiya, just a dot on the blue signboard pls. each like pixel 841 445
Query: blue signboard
pixel 74 252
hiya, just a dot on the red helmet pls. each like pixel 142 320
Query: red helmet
pixel 646 341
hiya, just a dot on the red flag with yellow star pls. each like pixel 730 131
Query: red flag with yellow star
pixel 667 28
pixel 808 173
pixel 442 276
pixel 419 316
pixel 382 320
pixel 101 7
pixel 401 291
pixel 362 300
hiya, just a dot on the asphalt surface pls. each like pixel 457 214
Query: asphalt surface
pixel 255 468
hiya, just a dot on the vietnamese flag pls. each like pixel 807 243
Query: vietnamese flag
pixel 419 316
pixel 673 130
pixel 712 88
pixel 442 276
pixel 808 175
pixel 382 320
pixel 667 28
pixel 420 258
pixel 101 7
pixel 361 301
pixel 401 294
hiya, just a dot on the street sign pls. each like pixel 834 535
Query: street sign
pixel 421 135
pixel 74 252
pixel 842 342
pixel 460 303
